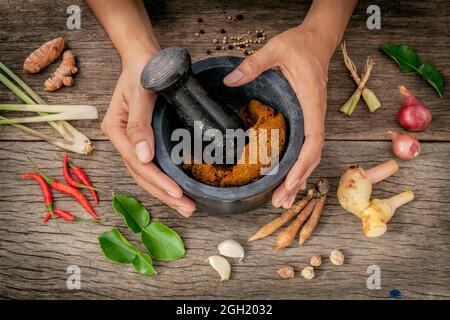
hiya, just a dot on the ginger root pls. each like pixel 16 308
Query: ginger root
pixel 63 74
pixel 379 212
pixel 355 185
pixel 44 55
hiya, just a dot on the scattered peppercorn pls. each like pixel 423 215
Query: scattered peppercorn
pixel 259 34
pixel 230 47
pixel 202 31
pixel 239 17
pixel 199 20
pixel 223 31
pixel 246 52
pixel 208 52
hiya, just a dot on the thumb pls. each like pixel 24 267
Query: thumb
pixel 139 128
pixel 251 67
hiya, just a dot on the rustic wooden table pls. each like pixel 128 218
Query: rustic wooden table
pixel 413 255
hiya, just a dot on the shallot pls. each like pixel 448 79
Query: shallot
pixel 404 146
pixel 413 115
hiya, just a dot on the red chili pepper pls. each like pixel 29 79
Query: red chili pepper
pixel 79 173
pixel 48 197
pixel 71 191
pixel 63 214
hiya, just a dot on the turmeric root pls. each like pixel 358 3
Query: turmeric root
pixel 287 215
pixel 324 187
pixel 44 55
pixel 63 74
pixel 286 236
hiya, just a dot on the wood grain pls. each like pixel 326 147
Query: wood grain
pixel 413 255
pixel 175 22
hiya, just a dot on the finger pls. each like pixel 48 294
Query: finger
pixel 183 205
pixel 307 161
pixel 149 171
pixel 252 67
pixel 282 193
pixel 139 129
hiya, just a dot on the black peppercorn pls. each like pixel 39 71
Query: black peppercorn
pixel 223 31
pixel 219 48
pixel 208 52
pixel 199 20
pixel 202 31
pixel 230 47
pixel 239 17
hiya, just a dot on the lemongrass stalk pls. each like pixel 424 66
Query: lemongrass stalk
pixel 77 141
pixel 56 142
pixel 49 108
pixel 53 117
pixel 349 106
pixel 368 95
pixel 371 99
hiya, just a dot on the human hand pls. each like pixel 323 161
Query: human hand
pixel 302 54
pixel 127 124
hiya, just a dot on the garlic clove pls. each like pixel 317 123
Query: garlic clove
pixel 221 265
pixel 232 249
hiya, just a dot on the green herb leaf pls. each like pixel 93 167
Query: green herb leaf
pixel 408 60
pixel 162 242
pixel 115 247
pixel 143 264
pixel 434 77
pixel 406 57
pixel 135 214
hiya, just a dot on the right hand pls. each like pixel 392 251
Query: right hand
pixel 127 124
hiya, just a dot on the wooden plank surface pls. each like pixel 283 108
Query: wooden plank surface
pixel 413 255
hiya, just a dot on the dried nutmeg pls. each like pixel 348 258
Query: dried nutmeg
pixel 315 261
pixel 308 273
pixel 337 257
pixel 286 272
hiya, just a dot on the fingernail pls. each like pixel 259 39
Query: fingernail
pixel 143 151
pixel 279 203
pixel 233 77
pixel 174 195
pixel 184 212
pixel 289 202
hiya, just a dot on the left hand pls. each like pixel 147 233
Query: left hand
pixel 302 54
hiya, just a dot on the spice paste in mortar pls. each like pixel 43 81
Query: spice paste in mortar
pixel 255 115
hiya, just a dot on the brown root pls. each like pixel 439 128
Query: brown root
pixel 44 55
pixel 63 74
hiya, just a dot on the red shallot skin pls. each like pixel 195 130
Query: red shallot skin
pixel 405 146
pixel 413 115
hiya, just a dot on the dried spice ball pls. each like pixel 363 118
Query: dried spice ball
pixel 259 34
pixel 315 261
pixel 208 52
pixel 308 273
pixel 219 48
pixel 202 31
pixel 230 47
pixel 286 272
pixel 337 257
pixel 239 17
pixel 246 52
pixel 199 20
pixel 223 31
